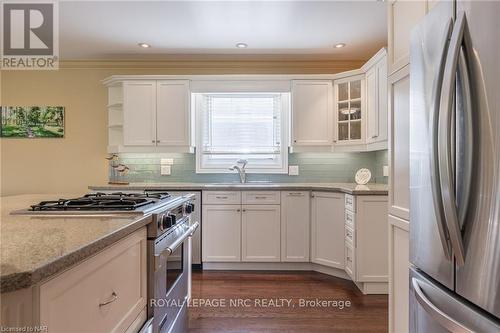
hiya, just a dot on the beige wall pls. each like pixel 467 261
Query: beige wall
pixel 70 164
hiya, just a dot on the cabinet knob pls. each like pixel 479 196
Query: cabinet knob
pixel 153 141
pixel 238 210
pixel 294 140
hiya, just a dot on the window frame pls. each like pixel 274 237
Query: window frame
pixel 202 167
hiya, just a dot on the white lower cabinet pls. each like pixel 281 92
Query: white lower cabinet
pixel 399 266
pixel 105 293
pixel 260 233
pixel 221 233
pixel 295 226
pixel 327 229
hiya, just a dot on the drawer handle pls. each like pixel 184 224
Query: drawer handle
pixel 114 297
pixel 219 197
pixel 296 194
pixel 260 197
pixel 349 259
pixel 349 234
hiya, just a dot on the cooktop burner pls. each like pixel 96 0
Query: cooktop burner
pixel 103 201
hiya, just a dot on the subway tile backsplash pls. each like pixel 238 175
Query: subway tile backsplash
pixel 313 168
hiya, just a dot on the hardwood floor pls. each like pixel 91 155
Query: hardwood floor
pixel 211 309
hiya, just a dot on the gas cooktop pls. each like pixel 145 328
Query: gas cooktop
pixel 105 203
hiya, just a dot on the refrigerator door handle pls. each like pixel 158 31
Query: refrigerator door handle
pixel 446 167
pixel 434 161
pixel 442 318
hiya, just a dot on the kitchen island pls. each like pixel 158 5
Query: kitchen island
pixel 63 270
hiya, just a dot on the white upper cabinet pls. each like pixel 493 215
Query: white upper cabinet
pixel 376 102
pixel 349 110
pixel 402 16
pixel 139 113
pixel 172 113
pixel 327 229
pixel 149 115
pixel 312 108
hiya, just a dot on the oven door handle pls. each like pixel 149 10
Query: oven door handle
pixel 175 244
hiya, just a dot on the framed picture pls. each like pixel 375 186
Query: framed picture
pixel 32 122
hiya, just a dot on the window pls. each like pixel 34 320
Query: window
pixel 251 126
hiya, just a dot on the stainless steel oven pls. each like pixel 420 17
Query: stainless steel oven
pixel 169 267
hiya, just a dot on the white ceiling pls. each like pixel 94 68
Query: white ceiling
pixel 112 29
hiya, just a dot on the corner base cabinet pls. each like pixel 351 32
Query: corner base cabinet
pixel 327 224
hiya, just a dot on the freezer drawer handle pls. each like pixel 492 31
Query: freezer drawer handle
pixel 442 318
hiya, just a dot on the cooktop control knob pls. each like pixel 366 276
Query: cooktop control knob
pixel 189 208
pixel 168 220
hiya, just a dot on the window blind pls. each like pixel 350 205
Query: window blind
pixel 241 124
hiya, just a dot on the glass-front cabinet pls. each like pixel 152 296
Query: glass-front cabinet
pixel 349 110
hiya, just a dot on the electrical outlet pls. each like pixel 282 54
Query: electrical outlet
pixel 293 170
pixel 165 170
pixel 386 171
pixel 167 161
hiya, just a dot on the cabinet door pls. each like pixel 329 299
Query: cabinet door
pixel 349 110
pixel 399 144
pixel 327 229
pixel 376 102
pixel 221 233
pixel 260 235
pixel 295 225
pixel 173 113
pixel 398 275
pixel 402 16
pixel 139 113
pixel 372 105
pixel 312 113
pixel 371 239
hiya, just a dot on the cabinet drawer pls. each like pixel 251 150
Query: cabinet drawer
pixel 105 293
pixel 221 197
pixel 350 219
pixel 261 198
pixel 349 261
pixel 349 235
pixel 350 202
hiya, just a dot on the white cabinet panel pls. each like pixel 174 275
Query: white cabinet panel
pixel 173 113
pixel 402 16
pixel 376 102
pixel 260 234
pixel 295 226
pixel 399 144
pixel 398 275
pixel 312 113
pixel 74 301
pixel 327 229
pixel 260 198
pixel 139 113
pixel 371 239
pixel 221 197
pixel 221 233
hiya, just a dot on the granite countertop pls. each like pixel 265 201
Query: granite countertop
pixel 33 248
pixel 349 188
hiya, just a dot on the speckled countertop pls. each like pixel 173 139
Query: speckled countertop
pixel 33 248
pixel 350 188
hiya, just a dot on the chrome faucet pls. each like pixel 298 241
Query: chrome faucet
pixel 240 169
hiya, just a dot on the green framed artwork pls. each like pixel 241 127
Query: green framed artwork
pixel 32 122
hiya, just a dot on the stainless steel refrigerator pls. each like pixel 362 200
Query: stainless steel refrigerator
pixel 455 169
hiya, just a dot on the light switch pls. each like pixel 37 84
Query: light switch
pixel 293 170
pixel 386 171
pixel 165 170
pixel 167 161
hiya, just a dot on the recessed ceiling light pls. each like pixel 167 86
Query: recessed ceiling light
pixel 339 45
pixel 242 45
pixel 144 45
